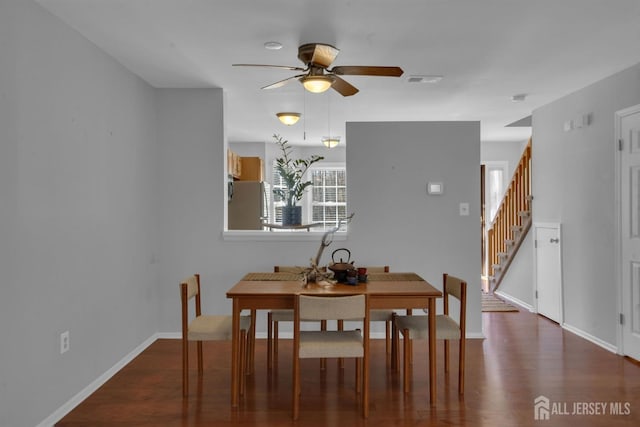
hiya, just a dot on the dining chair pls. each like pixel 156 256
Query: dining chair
pixel 447 328
pixel 331 344
pixel 207 328
pixel 275 316
pixel 378 315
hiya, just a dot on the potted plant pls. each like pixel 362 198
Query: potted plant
pixel 292 172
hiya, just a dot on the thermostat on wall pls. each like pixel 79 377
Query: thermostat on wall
pixel 434 188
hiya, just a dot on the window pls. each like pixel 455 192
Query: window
pixel 329 195
pixel 324 202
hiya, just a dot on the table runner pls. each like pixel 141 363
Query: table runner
pixel 372 277
pixel 286 276
pixel 392 277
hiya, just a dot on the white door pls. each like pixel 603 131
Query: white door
pixel 628 128
pixel 548 271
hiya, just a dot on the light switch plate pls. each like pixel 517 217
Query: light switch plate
pixel 464 209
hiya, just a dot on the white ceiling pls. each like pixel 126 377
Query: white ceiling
pixel 487 51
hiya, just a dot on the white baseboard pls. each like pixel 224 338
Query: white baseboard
pixel 515 301
pixel 582 334
pixel 97 383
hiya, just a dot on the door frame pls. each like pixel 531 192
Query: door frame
pixel 619 115
pixel 557 226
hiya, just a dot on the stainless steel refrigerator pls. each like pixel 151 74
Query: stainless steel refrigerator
pixel 249 205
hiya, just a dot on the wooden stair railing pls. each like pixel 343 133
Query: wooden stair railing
pixel 511 222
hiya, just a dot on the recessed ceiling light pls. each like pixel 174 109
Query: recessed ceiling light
pixel 425 79
pixel 273 45
pixel 519 97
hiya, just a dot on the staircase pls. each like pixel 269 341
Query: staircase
pixel 511 223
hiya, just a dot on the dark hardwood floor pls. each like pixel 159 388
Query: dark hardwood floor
pixel 524 356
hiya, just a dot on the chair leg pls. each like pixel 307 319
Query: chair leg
pixel 461 367
pixel 243 360
pixel 395 343
pixel 387 339
pixel 358 375
pixel 185 367
pixel 269 341
pixel 295 386
pixel 446 355
pixel 323 361
pixel 251 344
pixel 341 328
pixel 407 359
pixel 200 364
pixel 275 344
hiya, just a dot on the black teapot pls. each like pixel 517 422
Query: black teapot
pixel 341 268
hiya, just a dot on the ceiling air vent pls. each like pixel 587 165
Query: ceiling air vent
pixel 424 79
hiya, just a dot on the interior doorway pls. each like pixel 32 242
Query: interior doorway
pixel 494 177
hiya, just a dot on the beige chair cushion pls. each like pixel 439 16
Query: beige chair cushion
pixel 318 344
pixel 418 326
pixel 380 315
pixel 283 315
pixel 215 327
pixel 447 328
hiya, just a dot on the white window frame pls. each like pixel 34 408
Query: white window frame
pixel 307 206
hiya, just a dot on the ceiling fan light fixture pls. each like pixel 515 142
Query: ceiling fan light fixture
pixel 317 84
pixel 288 118
pixel 330 141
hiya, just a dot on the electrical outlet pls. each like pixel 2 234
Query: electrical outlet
pixel 64 342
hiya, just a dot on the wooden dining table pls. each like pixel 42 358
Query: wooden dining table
pixel 268 291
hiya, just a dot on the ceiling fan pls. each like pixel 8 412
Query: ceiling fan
pixel 318 77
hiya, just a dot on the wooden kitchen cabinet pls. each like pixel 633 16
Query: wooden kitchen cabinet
pixel 252 169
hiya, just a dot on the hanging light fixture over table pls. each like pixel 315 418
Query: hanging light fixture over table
pixel 288 118
pixel 330 141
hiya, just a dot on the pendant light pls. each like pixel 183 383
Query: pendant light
pixel 288 118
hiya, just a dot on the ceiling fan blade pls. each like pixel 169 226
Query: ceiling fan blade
pixel 343 87
pixel 282 82
pixel 317 54
pixel 282 67
pixel 362 70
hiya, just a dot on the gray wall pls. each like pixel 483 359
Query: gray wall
pixel 574 184
pixel 396 222
pixel 193 159
pixel 78 222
